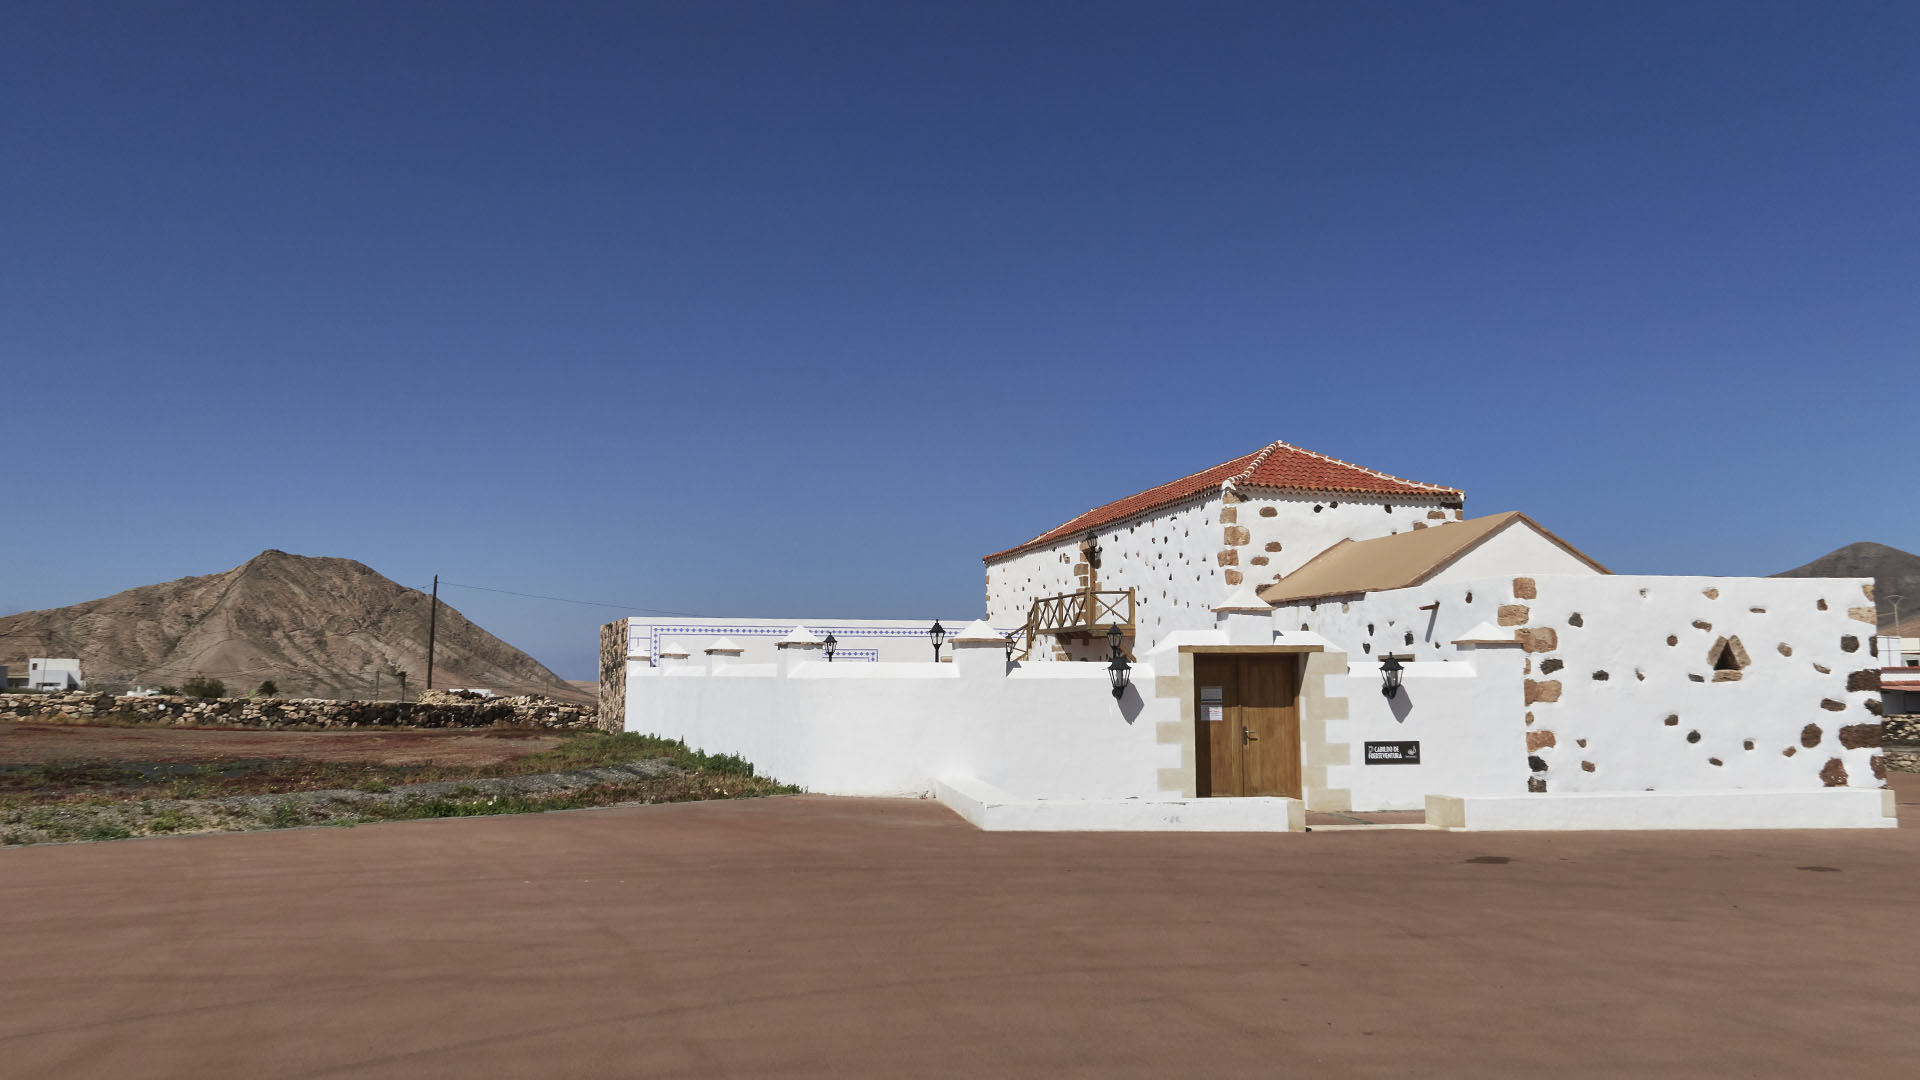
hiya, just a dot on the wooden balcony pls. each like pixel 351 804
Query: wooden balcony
pixel 1085 612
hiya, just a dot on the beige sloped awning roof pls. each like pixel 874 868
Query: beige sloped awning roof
pixel 1400 560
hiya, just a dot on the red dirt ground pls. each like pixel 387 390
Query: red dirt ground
pixel 833 937
pixel 25 744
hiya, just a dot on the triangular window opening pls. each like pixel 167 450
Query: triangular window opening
pixel 1728 655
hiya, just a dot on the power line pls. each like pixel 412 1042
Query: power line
pixel 586 603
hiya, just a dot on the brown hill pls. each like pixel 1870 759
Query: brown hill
pixel 317 627
pixel 1895 573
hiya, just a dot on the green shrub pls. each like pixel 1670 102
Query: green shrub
pixel 722 764
pixel 285 815
pixel 202 687
pixel 172 820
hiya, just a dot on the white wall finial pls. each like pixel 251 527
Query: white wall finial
pixel 979 651
pixel 1247 619
pixel 800 638
pixel 978 633
pixel 1244 599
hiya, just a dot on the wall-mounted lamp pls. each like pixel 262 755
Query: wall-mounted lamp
pixel 1390 676
pixel 1009 638
pixel 1119 672
pixel 939 637
pixel 1093 549
pixel 829 645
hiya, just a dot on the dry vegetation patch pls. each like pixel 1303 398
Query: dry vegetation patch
pixel 66 782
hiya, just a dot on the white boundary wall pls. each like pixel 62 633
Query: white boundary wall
pixel 856 640
pixel 1465 712
pixel 1049 730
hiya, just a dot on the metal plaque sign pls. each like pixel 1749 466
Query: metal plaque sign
pixel 1392 753
pixel 1212 705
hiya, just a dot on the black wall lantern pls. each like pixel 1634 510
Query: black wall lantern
pixel 1009 638
pixel 939 636
pixel 1390 676
pixel 1093 549
pixel 830 644
pixel 1119 672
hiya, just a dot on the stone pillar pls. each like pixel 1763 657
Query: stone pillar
pixel 611 713
pixel 979 651
pixel 1244 617
pixel 798 647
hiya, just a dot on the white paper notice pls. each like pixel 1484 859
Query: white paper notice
pixel 1216 713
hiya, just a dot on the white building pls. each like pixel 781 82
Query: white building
pixel 45 673
pixel 1159 561
pixel 1628 684
pixel 1302 633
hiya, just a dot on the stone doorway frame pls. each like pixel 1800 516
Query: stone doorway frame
pixel 1317 709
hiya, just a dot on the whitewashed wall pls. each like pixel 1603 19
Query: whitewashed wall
pixel 1465 713
pixel 1049 730
pixel 1183 560
pixel 857 640
pixel 1610 705
pixel 1167 557
pixel 1284 532
pixel 1515 549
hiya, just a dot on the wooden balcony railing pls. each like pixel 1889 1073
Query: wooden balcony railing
pixel 1084 612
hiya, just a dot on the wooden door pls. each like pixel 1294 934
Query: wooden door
pixel 1216 734
pixel 1247 725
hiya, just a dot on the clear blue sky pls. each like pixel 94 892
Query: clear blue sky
pixel 800 308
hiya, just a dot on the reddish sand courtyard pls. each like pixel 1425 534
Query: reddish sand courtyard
pixel 830 937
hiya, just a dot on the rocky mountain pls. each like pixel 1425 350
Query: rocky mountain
pixel 316 627
pixel 1895 573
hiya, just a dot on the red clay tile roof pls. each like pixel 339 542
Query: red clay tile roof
pixel 1279 466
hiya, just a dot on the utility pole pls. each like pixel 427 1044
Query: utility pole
pixel 433 615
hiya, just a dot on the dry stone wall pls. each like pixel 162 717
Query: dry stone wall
pixel 1903 739
pixel 614 638
pixel 275 713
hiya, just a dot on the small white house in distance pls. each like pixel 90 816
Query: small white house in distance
pixel 1287 632
pixel 47 673
pixel 1899 650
